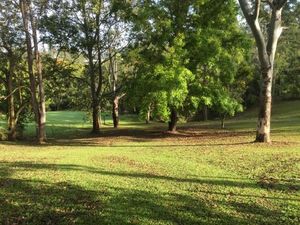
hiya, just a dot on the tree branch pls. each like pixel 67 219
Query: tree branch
pixel 18 88
pixel 257 9
pixel 22 107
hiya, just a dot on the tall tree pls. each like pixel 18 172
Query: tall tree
pixel 30 26
pixel 159 28
pixel 266 47
pixel 11 51
pixel 211 47
pixel 85 27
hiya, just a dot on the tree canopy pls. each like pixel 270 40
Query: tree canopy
pixel 165 60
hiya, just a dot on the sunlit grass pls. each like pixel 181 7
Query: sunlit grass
pixel 141 175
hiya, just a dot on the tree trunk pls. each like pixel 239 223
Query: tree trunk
pixel 100 116
pixel 205 113
pixel 266 53
pixel 114 77
pixel 173 121
pixel 115 112
pixel 264 116
pixel 24 5
pixel 92 46
pixel 148 115
pixel 223 122
pixel 96 123
pixel 12 126
pixel 41 93
pixel 94 95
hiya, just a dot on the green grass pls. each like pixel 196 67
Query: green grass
pixel 141 175
pixel 64 124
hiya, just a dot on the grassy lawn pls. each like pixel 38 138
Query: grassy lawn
pixel 141 175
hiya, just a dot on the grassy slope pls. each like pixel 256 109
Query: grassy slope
pixel 202 175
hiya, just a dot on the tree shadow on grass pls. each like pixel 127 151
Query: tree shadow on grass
pixel 142 207
pixel 280 185
pixel 174 208
pixel 28 202
pixel 39 202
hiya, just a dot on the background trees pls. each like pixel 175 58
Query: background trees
pixel 12 69
pixel 94 30
pixel 165 60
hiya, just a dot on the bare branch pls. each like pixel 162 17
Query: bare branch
pixel 257 9
pixel 18 88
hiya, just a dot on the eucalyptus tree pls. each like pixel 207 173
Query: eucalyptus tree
pixel 117 42
pixel 266 46
pixel 117 77
pixel 31 12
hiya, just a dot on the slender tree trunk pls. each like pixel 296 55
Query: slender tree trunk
pixel 115 111
pixel 24 6
pixel 95 117
pixel 205 113
pixel 100 116
pixel 92 45
pixel 223 122
pixel 12 126
pixel 148 115
pixel 115 100
pixel 173 120
pixel 41 93
pixel 95 97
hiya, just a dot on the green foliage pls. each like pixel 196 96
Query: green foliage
pixel 225 104
pixel 172 76
pixel 211 54
pixel 13 66
pixel 66 86
pixel 218 51
pixel 182 55
pixel 167 84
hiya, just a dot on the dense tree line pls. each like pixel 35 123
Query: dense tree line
pixel 166 60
